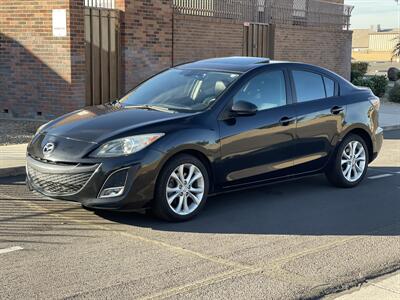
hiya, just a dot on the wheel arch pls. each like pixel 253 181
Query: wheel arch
pixel 364 134
pixel 197 154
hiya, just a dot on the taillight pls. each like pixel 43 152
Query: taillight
pixel 375 102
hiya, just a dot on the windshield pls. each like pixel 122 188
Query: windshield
pixel 177 89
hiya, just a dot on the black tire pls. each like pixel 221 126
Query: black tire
pixel 160 207
pixel 334 171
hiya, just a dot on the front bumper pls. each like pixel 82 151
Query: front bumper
pixel 82 182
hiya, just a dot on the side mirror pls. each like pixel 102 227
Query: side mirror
pixel 244 108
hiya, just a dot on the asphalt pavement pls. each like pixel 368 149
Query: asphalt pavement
pixel 297 239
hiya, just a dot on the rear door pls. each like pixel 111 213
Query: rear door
pixel 320 118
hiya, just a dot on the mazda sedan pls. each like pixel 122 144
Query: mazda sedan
pixel 204 128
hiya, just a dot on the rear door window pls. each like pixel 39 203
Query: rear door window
pixel 329 87
pixel 308 86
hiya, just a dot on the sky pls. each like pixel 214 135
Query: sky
pixel 373 12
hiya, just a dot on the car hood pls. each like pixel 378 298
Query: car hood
pixel 98 123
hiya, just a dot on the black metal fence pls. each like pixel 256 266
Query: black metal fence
pixel 110 4
pixel 294 12
pixel 102 41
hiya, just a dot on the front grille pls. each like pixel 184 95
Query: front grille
pixel 58 184
pixel 62 163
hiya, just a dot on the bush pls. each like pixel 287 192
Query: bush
pixel 394 94
pixel 360 67
pixel 377 84
pixel 363 82
pixel 393 74
pixel 380 84
pixel 356 74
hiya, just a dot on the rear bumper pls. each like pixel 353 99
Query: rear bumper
pixel 377 142
pixel 83 183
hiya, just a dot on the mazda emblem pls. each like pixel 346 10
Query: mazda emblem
pixel 48 149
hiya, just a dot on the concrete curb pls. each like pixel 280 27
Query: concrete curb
pixel 16 171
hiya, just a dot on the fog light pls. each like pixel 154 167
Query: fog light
pixel 112 192
pixel 114 185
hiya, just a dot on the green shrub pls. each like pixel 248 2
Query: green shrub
pixel 360 67
pixel 394 94
pixel 377 84
pixel 356 74
pixel 380 84
pixel 363 82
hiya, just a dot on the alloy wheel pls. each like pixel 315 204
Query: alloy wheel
pixel 185 189
pixel 353 161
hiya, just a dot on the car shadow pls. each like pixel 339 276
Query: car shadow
pixel 308 206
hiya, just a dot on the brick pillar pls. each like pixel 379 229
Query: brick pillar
pixel 40 75
pixel 146 37
pixel 77 54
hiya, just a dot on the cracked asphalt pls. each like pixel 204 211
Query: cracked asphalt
pixel 298 239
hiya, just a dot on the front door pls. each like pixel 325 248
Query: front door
pixel 261 146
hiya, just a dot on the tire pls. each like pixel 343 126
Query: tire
pixel 180 192
pixel 336 170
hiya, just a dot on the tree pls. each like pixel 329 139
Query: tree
pixel 396 51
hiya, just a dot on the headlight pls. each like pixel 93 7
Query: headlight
pixel 126 146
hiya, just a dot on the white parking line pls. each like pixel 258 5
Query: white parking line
pixel 11 249
pixel 380 176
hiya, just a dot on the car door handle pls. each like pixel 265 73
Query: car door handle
pixel 285 121
pixel 337 109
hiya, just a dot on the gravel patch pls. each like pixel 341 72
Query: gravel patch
pixel 17 131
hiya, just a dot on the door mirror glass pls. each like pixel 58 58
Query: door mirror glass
pixel 244 108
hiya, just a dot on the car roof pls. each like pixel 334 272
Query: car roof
pixel 240 64
pixel 232 64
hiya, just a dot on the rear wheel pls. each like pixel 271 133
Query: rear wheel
pixel 182 189
pixel 349 163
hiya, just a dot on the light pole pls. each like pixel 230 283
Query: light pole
pixel 398 16
pixel 398 25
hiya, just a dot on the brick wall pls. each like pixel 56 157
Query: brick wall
pixel 46 74
pixel 146 35
pixel 204 37
pixel 329 49
pixel 78 59
pixel 40 73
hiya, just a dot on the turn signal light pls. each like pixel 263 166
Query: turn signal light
pixel 112 192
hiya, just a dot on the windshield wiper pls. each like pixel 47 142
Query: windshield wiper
pixel 152 107
pixel 115 103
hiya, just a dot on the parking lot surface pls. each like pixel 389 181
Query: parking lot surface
pixel 296 239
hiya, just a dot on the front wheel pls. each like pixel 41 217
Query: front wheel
pixel 349 165
pixel 182 189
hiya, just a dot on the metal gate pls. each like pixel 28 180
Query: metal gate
pixel 258 40
pixel 102 40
